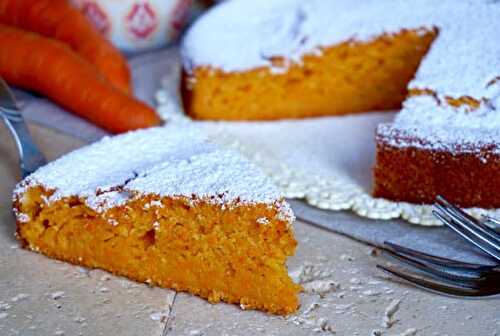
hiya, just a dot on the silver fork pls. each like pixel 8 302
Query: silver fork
pixel 442 275
pixel 30 157
pixel 446 275
pixel 490 220
pixel 469 228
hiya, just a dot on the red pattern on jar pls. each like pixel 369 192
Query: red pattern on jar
pixel 97 16
pixel 142 20
pixel 179 14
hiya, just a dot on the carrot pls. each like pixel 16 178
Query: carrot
pixel 59 20
pixel 45 65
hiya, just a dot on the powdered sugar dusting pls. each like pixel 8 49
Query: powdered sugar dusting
pixel 108 200
pixel 222 176
pixel 463 60
pixel 101 167
pixel 452 129
pixel 167 161
pixel 20 216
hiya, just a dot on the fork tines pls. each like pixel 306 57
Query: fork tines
pixel 441 274
pixel 493 221
pixel 471 229
pixel 445 275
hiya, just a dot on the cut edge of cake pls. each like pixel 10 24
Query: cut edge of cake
pixel 213 244
pixel 412 168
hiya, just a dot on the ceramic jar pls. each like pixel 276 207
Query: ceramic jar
pixel 136 25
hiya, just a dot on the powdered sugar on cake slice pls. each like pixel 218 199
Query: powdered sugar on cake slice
pixel 170 161
pixel 425 124
pixel 221 174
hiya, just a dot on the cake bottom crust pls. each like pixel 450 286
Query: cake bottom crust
pixel 418 175
pixel 233 254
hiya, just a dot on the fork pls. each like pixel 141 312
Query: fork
pixel 443 275
pixel 469 228
pixel 30 157
pixel 446 275
pixel 490 220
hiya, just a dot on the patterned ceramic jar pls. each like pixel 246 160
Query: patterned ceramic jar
pixel 137 25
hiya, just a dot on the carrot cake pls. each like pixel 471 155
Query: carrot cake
pixel 165 206
pixel 437 60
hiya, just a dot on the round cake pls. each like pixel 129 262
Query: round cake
pixel 436 60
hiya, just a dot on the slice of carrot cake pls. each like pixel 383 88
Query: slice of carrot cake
pixel 167 207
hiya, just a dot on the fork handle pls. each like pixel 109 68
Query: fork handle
pixel 30 157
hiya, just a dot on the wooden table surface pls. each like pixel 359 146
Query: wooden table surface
pixel 40 296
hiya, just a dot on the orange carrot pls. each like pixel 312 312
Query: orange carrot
pixel 45 65
pixel 59 20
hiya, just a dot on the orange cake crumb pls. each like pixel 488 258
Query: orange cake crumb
pixel 220 255
pixel 351 77
pixel 178 213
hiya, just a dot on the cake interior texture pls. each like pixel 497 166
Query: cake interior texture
pixel 350 77
pixel 167 207
pixel 221 253
pixel 418 175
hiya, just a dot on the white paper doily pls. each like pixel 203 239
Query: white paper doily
pixel 325 161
